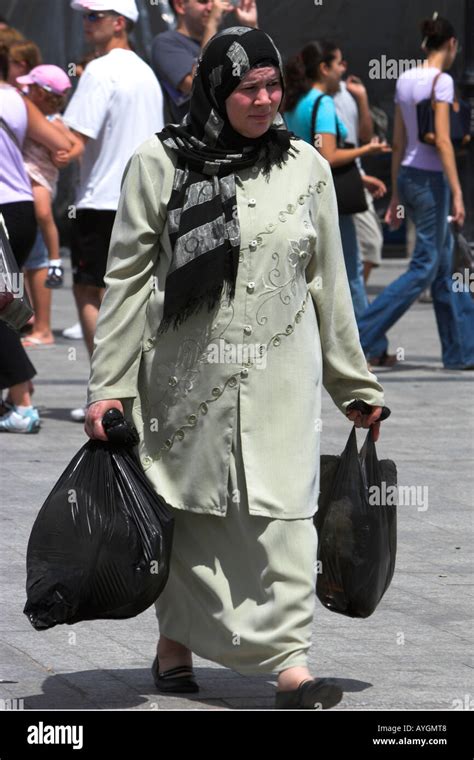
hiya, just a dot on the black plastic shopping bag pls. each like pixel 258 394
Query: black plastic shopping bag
pixel 15 308
pixel 101 544
pixel 356 523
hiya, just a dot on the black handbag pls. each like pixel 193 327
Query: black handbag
pixel 347 180
pixel 459 117
pixel 15 308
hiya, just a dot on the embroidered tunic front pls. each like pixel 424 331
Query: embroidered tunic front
pixel 289 329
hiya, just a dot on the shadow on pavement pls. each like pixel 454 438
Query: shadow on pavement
pixel 56 413
pixel 126 689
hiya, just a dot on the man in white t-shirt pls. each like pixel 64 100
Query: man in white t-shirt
pixel 118 105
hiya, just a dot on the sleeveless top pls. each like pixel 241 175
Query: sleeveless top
pixel 14 182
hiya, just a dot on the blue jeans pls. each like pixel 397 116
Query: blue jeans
pixel 353 262
pixel 426 197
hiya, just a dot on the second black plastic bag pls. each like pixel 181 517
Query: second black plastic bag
pixel 101 544
pixel 356 523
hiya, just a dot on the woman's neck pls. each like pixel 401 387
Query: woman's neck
pixel 320 86
pixel 436 60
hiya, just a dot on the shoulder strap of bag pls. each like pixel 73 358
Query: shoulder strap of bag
pixel 433 100
pixel 10 132
pixel 314 116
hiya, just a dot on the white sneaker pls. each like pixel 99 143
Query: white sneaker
pixel 74 332
pixel 26 421
pixel 79 414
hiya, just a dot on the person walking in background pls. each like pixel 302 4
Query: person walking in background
pixel 19 118
pixel 74 332
pixel 117 104
pixel 23 57
pixel 174 53
pixel 424 177
pixel 315 75
pixel 352 107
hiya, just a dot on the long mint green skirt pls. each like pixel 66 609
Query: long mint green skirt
pixel 241 588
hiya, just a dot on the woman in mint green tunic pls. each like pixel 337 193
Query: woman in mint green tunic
pixel 227 307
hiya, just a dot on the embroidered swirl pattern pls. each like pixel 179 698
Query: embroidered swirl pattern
pixel 231 382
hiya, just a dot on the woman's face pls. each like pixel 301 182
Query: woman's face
pixel 333 72
pixel 253 105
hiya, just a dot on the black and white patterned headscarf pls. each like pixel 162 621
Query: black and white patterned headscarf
pixel 203 220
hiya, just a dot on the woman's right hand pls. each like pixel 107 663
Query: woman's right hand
pixel 459 212
pixel 94 414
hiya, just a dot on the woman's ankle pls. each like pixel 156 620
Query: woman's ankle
pixel 172 653
pixel 291 678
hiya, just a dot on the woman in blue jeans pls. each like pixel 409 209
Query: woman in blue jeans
pixel 316 73
pixel 424 177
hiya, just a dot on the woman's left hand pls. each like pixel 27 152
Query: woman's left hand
pixel 394 214
pixel 367 420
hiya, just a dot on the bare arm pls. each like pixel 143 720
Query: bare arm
pixel 76 148
pixel 359 93
pixel 398 144
pixel 219 9
pixel 41 130
pixel 186 84
pixel 245 14
pixel 444 147
pixel 327 146
pixel 366 125
pixel 79 136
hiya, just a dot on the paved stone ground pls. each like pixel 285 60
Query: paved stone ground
pixel 413 653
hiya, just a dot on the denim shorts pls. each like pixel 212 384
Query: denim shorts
pixel 38 256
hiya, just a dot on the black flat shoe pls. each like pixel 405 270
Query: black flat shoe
pixel 319 694
pixel 176 680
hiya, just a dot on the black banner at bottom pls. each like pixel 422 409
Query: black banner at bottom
pixel 74 733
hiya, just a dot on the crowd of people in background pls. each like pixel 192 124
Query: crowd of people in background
pixel 120 101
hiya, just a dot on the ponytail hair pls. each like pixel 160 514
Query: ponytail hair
pixel 302 70
pixel 435 32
